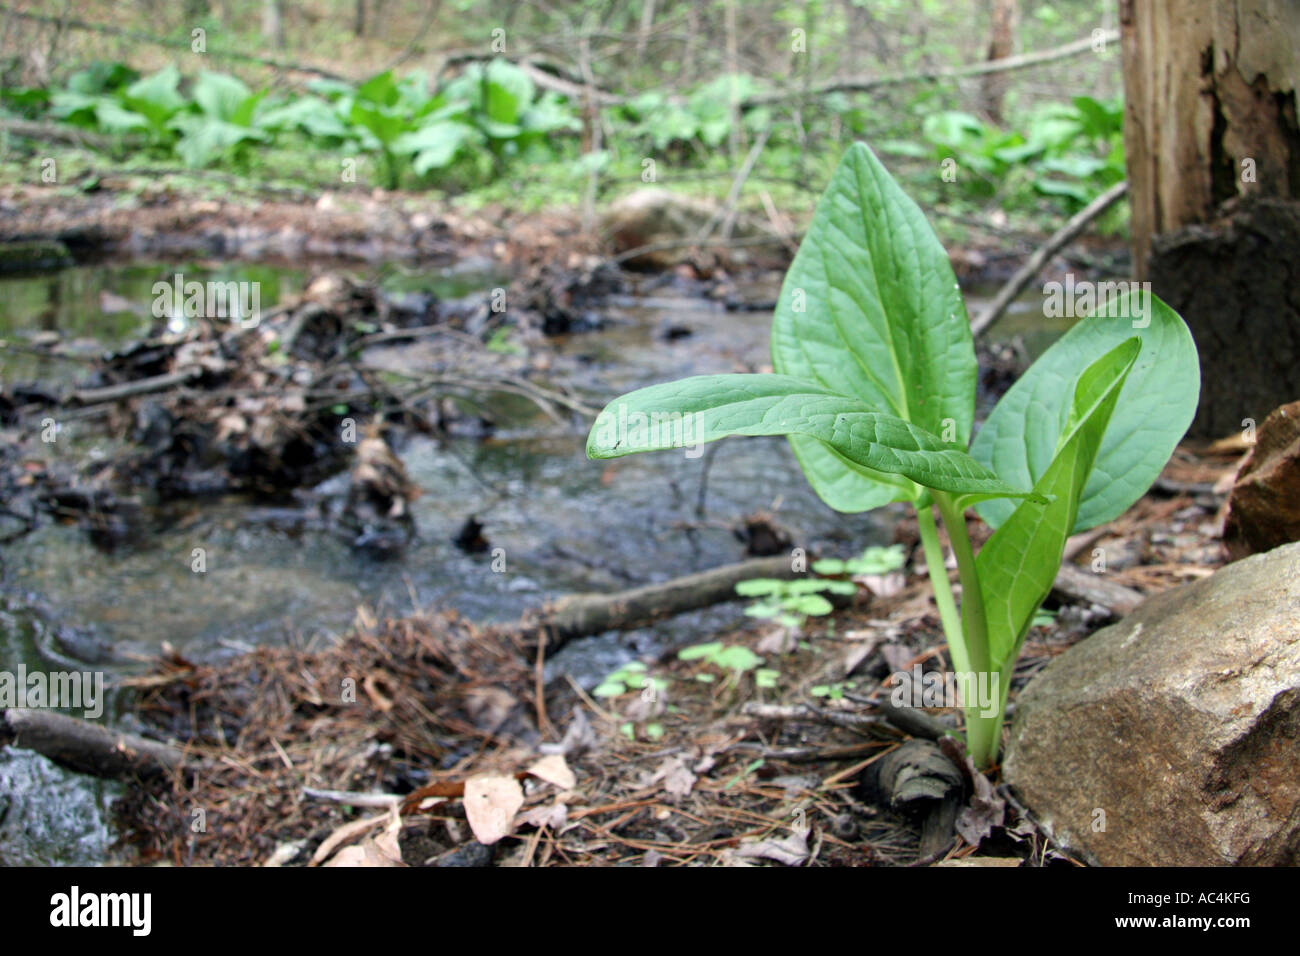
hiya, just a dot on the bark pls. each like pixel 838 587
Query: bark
pixel 1002 41
pixel 273 23
pixel 1210 104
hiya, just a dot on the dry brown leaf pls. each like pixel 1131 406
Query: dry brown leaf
pixel 791 850
pixel 491 802
pixel 553 815
pixel 883 585
pixel 673 774
pixel 380 850
pixel 344 834
pixel 778 640
pixel 554 769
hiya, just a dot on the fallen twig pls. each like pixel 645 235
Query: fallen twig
pixel 140 386
pixel 1031 268
pixel 581 615
pixel 868 83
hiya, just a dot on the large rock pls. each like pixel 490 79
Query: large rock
pixel 653 215
pixel 1264 508
pixel 1173 737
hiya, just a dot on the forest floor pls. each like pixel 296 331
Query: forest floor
pixel 710 769
pixel 417 739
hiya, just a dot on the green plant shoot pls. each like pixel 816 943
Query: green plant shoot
pixel 874 386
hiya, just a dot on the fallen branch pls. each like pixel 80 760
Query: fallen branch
pixel 867 83
pixel 86 747
pixel 726 216
pixel 141 386
pixel 186 45
pixel 581 615
pixel 910 720
pixel 1007 294
pixel 53 132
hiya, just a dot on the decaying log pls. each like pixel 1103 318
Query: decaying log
pixel 86 747
pixel 581 615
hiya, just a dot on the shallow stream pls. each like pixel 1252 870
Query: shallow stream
pixel 564 523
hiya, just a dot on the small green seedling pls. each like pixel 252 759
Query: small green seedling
pixel 874 561
pixel 731 658
pixel 653 730
pixel 1043 618
pixel 790 603
pixel 631 676
pixel 830 691
pixel 874 386
pixel 500 343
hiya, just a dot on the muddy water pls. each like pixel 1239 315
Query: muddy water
pixel 562 523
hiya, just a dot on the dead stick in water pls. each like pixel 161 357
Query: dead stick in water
pixel 581 615
pixel 86 747
pixel 1039 259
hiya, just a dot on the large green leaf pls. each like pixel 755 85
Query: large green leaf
pixel 385 126
pixel 1020 438
pixel 706 408
pixel 381 90
pixel 102 77
pixel 157 96
pixel 307 113
pixel 508 91
pixel 436 145
pixel 870 308
pixel 219 95
pixel 112 117
pixel 76 108
pixel 161 88
pixel 1017 565
pixel 206 139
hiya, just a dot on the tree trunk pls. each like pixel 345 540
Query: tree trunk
pixel 1213 152
pixel 647 24
pixel 1210 108
pixel 273 23
pixel 1002 42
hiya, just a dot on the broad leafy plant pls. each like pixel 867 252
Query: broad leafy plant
pixel 874 385
pixel 488 115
